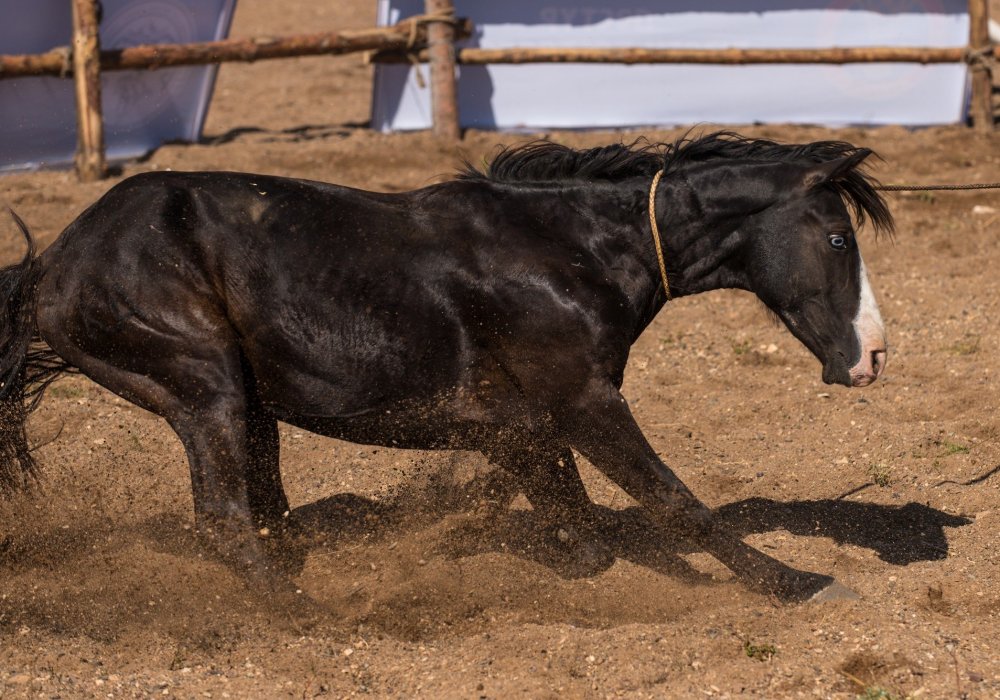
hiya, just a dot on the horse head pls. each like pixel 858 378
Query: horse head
pixel 779 224
pixel 806 266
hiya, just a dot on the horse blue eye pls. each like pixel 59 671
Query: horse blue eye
pixel 838 242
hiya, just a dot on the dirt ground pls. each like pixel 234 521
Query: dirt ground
pixel 893 489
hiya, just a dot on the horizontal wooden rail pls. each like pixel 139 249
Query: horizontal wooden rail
pixel 867 54
pixel 405 35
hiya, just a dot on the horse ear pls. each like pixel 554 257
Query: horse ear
pixel 833 170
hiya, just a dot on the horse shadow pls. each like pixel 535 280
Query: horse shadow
pixel 898 535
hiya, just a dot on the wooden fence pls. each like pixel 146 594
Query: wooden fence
pixel 431 38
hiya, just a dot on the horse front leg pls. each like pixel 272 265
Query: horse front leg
pixel 547 474
pixel 605 432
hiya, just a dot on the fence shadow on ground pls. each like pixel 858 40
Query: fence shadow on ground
pixel 296 134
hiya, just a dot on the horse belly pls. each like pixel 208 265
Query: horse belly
pixel 453 419
pixel 409 428
pixel 378 384
pixel 349 364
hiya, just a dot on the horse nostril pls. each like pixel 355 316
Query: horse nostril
pixel 878 361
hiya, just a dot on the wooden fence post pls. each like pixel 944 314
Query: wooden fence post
pixel 981 105
pixel 441 54
pixel 90 163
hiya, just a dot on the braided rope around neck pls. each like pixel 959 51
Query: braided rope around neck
pixel 656 233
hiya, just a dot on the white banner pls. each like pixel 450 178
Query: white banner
pixel 538 96
pixel 142 109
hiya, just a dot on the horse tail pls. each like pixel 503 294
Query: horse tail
pixel 26 366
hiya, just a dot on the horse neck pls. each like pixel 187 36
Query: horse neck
pixel 701 213
pixel 700 250
pixel 610 222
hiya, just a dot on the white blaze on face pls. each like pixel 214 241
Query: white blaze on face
pixel 871 334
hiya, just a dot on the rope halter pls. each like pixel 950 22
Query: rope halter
pixel 656 233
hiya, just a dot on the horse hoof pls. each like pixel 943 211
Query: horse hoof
pixel 835 591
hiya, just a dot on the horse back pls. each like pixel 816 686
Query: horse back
pixel 343 302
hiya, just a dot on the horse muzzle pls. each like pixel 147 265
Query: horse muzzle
pixel 870 367
pixel 870 333
pixel 835 371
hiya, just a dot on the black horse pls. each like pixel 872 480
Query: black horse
pixel 493 312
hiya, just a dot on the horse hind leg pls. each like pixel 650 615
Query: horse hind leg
pixel 192 377
pixel 265 493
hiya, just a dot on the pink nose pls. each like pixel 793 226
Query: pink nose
pixel 869 368
pixel 878 361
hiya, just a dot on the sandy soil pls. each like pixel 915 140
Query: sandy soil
pixel 892 489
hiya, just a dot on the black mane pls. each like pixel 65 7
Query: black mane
pixel 544 161
pixel 540 161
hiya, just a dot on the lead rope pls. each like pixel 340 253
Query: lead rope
pixel 656 233
pixel 931 188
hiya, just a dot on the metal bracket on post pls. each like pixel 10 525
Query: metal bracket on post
pixel 441 53
pixel 90 162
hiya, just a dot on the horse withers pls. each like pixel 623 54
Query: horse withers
pixel 494 312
